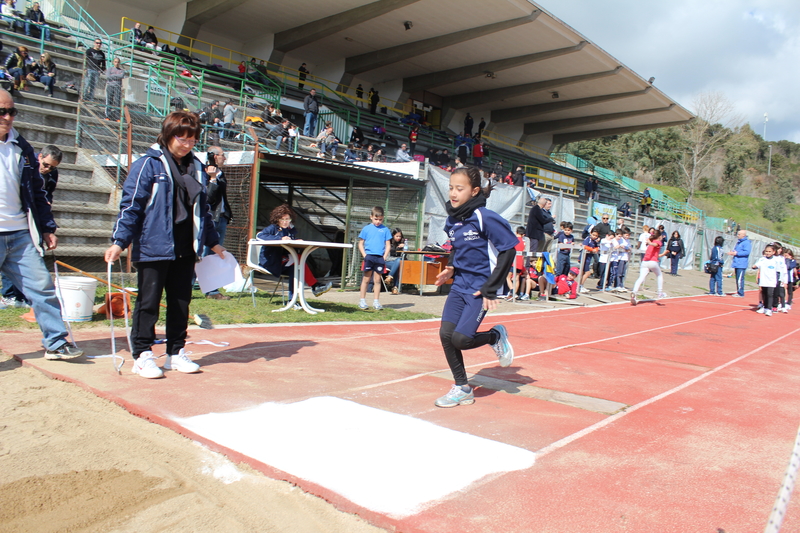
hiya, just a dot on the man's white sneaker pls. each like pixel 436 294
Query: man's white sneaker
pixel 768 312
pixel 761 311
pixel 181 363
pixel 784 309
pixel 146 366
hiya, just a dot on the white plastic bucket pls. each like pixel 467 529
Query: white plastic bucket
pixel 76 295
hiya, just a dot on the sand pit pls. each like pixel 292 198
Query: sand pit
pixel 70 461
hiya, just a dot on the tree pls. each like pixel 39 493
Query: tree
pixel 705 136
pixel 781 194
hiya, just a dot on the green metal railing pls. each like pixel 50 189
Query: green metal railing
pixel 779 237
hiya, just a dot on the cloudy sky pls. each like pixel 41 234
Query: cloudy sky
pixel 748 50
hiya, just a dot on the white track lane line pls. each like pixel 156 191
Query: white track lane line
pixel 613 418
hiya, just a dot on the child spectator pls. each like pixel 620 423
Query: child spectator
pixel 624 249
pixel 791 278
pixel 373 243
pixel 518 268
pixel 590 247
pixel 276 260
pixel 564 237
pixel 780 290
pixel 565 284
pixel 717 259
pixel 644 238
pixel 650 264
pixel 350 154
pixel 482 253
pixel 771 270
pixel 607 245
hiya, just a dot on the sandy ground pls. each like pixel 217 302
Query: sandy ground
pixel 70 461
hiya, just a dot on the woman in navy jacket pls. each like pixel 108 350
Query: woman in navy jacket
pixel 717 258
pixel 164 213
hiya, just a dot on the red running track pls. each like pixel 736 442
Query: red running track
pixel 672 416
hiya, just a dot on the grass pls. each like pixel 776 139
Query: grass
pixel 236 311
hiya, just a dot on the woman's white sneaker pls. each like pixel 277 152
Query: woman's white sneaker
pixel 146 366
pixel 181 363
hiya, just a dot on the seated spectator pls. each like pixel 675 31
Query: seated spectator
pixel 18 65
pixel 137 35
pixel 357 137
pixel 369 153
pixel 380 156
pixel 444 158
pixel 402 155
pixel 329 144
pixel 149 39
pixel 350 154
pixel 45 72
pixel 35 23
pixel 11 15
pixel 565 284
pixel 276 260
pixel 280 133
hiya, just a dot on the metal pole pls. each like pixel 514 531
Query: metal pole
pixel 769 164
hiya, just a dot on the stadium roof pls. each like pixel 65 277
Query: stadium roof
pixel 527 72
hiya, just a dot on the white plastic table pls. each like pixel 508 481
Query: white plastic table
pixel 292 246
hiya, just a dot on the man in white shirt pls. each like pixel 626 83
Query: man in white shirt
pixel 27 228
pixel 402 155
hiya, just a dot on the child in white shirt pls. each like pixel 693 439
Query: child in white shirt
pixel 607 244
pixel 771 274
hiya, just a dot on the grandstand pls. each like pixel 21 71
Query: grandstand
pixel 332 197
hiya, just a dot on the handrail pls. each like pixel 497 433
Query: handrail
pixel 235 57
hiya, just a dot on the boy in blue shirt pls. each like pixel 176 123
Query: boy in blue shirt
pixel 564 237
pixel 591 246
pixel 373 243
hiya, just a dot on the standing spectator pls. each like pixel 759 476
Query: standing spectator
pixel 603 227
pixel 587 189
pixel 221 213
pixel 228 118
pixel 48 159
pixel 242 69
pixel 374 99
pixel 150 40
pixel 595 189
pixel 481 127
pixel 412 139
pixel 564 237
pixel 302 78
pixel 178 225
pixel 468 124
pixel 647 200
pixel 35 21
pixel 28 229
pixel 95 64
pixel 518 179
pixel 643 238
pixel 498 169
pixel 402 155
pixel 477 154
pixel 18 65
pixel 771 276
pixel 311 110
pixel 741 257
pixel 114 76
pixel 715 262
pixel 360 95
pixel 539 218
pixel 675 251
pixel 461 147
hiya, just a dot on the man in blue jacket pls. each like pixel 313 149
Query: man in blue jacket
pixel 741 257
pixel 27 229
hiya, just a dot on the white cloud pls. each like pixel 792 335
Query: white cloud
pixel 747 50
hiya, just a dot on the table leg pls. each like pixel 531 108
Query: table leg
pixel 301 276
pixel 293 254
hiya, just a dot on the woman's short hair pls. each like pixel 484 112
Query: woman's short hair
pixel 179 124
pixel 280 212
pixel 719 240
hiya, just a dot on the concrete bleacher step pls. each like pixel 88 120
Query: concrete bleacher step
pixel 49 135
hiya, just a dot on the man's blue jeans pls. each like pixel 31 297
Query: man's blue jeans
pixel 43 27
pixel 310 128
pixel 20 261
pixel 91 81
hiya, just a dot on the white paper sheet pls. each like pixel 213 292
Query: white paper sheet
pixel 214 272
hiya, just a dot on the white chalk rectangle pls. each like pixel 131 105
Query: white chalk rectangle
pixel 386 462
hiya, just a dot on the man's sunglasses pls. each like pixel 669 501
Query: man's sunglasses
pixel 10 111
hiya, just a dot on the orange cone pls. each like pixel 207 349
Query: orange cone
pixel 30 316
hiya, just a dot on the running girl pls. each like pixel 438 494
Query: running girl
pixel 771 274
pixel 482 254
pixel 650 264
